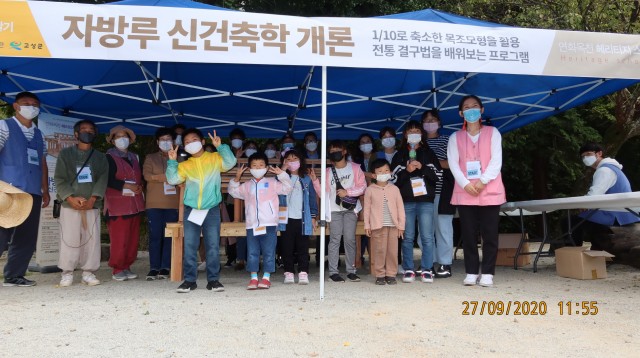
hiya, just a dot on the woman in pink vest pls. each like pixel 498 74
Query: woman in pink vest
pixel 475 160
pixel 124 202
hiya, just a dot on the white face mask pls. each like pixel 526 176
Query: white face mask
pixel 383 178
pixel 258 173
pixel 388 142
pixel 249 152
pixel 29 112
pixel 311 146
pixel 589 160
pixel 122 143
pixel 414 138
pixel 179 139
pixel 236 143
pixel 193 147
pixel 165 145
pixel 431 127
pixel 270 153
pixel 366 148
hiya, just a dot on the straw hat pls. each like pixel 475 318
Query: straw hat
pixel 118 128
pixel 15 205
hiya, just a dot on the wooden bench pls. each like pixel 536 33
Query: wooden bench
pixel 236 228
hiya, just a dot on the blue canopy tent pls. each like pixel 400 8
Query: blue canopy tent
pixel 268 100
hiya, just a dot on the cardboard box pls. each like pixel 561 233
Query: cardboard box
pixel 507 247
pixel 581 263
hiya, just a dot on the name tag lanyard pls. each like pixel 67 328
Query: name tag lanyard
pixel 474 163
pixel 83 165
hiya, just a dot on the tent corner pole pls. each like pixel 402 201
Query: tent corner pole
pixel 323 179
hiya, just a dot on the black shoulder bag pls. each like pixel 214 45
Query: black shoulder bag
pixel 348 202
pixel 57 204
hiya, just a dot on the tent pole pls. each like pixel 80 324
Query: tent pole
pixel 323 178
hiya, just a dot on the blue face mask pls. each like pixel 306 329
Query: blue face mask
pixel 287 145
pixel 472 115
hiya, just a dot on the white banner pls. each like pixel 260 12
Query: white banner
pixel 58 134
pixel 142 33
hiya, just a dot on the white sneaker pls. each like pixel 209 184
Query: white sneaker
pixel 303 278
pixel 66 280
pixel 288 277
pixel 470 280
pixel 202 267
pixel 486 280
pixel 90 280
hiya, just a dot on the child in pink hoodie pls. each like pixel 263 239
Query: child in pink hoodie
pixel 260 197
pixel 384 221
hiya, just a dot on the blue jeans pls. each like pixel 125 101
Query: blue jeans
pixel 211 231
pixel 443 227
pixel 265 245
pixel 423 212
pixel 159 245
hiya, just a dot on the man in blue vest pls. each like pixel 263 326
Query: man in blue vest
pixel 23 164
pixel 607 179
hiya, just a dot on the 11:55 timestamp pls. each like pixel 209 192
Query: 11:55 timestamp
pixel 584 308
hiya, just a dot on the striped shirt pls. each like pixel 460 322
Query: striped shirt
pixel 386 214
pixel 439 146
pixel 28 133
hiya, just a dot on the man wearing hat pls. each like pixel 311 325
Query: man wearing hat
pixel 23 164
pixel 15 205
pixel 81 180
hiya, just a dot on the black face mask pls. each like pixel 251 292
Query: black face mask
pixel 86 137
pixel 335 156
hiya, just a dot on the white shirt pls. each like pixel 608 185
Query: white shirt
pixel 345 175
pixel 495 163
pixel 604 178
pixel 294 199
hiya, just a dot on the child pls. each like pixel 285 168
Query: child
pixel 260 196
pixel 298 212
pixel 384 222
pixel 201 174
pixel 344 205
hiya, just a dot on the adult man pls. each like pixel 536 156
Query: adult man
pixel 23 164
pixel 607 179
pixel 81 180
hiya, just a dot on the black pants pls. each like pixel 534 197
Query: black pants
pixel 21 242
pixel 595 233
pixel 483 220
pixel 295 244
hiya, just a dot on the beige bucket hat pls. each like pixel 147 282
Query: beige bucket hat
pixel 15 205
pixel 119 128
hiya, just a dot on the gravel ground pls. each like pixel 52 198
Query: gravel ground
pixel 149 319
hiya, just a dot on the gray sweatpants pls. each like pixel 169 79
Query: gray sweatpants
pixel 79 240
pixel 343 224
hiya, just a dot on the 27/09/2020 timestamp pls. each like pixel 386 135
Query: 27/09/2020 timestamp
pixel 527 308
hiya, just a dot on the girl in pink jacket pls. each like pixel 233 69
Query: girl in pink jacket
pixel 384 221
pixel 260 197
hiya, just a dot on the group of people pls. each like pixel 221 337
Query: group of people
pixel 402 193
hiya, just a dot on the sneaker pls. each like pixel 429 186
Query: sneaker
pixel 215 286
pixel 391 280
pixel 303 278
pixel 336 278
pixel 288 277
pixel 380 281
pixel 427 276
pixel 202 267
pixel 443 271
pixel 400 270
pixel 19 281
pixel 120 276
pixel 89 280
pixel 486 280
pixel 130 275
pixel 187 287
pixel 353 277
pixel 152 275
pixel 229 264
pixel 409 276
pixel 253 284
pixel 163 274
pixel 264 284
pixel 66 280
pixel 470 280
